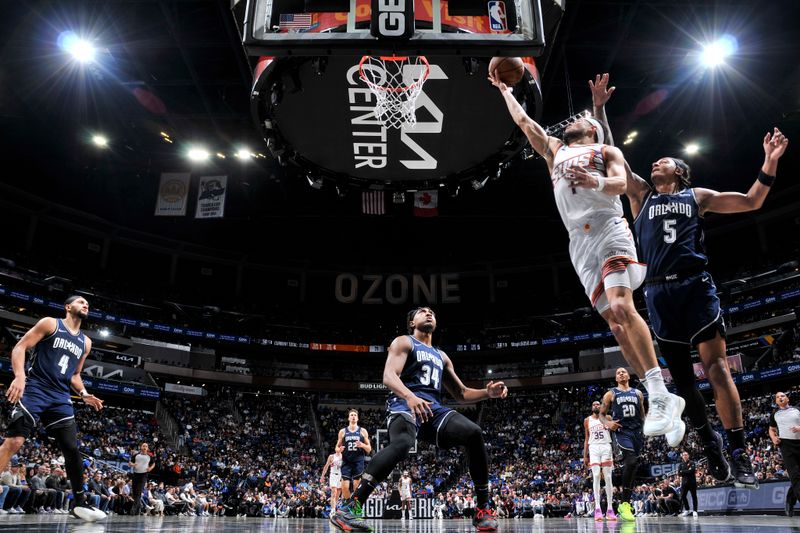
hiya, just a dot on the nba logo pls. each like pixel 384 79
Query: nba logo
pixel 497 15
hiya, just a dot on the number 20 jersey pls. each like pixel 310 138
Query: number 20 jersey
pixel 669 230
pixel 423 371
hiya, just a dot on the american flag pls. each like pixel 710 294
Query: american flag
pixel 372 203
pixel 299 21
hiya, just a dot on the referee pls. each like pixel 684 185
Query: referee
pixel 784 430
pixel 141 467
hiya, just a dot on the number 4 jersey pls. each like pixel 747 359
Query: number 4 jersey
pixel 669 230
pixel 55 359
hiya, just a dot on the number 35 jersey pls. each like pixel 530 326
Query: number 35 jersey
pixel 56 358
pixel 423 371
pixel 669 230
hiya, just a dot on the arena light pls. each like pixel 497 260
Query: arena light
pixel 197 154
pixel 691 149
pixel 80 49
pixel 100 141
pixel 489 371
pixel 244 154
pixel 633 134
pixel 104 332
pixel 220 155
pixel 715 53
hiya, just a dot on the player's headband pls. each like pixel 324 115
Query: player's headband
pixel 600 133
pixel 71 299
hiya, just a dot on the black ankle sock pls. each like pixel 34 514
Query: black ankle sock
pixel 482 495
pixel 735 439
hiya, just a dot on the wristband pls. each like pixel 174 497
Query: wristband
pixel 601 184
pixel 765 178
pixel 83 393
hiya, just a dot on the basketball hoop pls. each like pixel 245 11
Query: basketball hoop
pixel 396 82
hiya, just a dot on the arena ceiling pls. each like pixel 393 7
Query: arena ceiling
pixel 177 66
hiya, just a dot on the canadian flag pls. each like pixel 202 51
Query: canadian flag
pixel 426 203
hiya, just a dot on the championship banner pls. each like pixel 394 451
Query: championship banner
pixel 211 197
pixel 173 193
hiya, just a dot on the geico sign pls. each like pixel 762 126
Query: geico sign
pixel 397 288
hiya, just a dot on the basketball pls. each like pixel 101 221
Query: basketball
pixel 509 70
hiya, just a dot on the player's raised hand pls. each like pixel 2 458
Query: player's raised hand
pixel 580 177
pixel 94 401
pixel 15 390
pixel 497 389
pixel 497 83
pixel 775 144
pixel 420 408
pixel 601 92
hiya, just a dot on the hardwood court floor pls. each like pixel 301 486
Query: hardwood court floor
pixel 174 524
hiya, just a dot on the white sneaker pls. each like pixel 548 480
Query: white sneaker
pixel 676 434
pixel 685 513
pixel 694 514
pixel 664 410
pixel 3 511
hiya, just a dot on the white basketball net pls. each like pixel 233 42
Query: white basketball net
pixel 396 82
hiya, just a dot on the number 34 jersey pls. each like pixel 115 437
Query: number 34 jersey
pixel 56 358
pixel 423 371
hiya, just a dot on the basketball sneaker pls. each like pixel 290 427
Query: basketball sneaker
pixel 718 466
pixel 598 515
pixel 665 410
pixel 611 515
pixel 743 475
pixel 86 512
pixel 675 435
pixel 350 517
pixel 485 519
pixel 625 512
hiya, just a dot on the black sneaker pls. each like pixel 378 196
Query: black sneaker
pixel 742 470
pixel 485 519
pixel 350 517
pixel 718 466
pixel 789 509
pixel 86 512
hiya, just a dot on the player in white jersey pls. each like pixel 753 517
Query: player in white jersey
pixel 597 455
pixel 405 496
pixel 588 178
pixel 334 462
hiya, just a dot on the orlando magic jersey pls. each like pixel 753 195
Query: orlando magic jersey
pixel 627 409
pixel 422 373
pixel 352 453
pixel 55 359
pixel 669 230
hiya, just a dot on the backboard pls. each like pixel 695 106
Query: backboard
pixel 382 27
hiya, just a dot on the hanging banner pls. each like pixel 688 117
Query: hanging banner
pixel 173 193
pixel 211 197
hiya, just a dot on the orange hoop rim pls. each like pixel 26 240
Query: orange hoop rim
pixel 402 89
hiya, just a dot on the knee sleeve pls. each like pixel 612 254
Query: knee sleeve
pixel 679 361
pixel 402 435
pixel 460 430
pixel 66 437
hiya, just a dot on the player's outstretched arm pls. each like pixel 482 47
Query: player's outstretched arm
pixel 544 145
pixel 601 93
pixel 636 189
pixel 711 201
pixel 77 382
pixel 464 394
pixel 43 328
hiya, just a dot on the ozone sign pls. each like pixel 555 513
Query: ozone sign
pixel 374 289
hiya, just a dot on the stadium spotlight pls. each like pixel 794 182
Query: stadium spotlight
pixel 244 154
pixel 489 371
pixel 197 154
pixel 100 141
pixel 692 149
pixel 714 54
pixel 80 49
pixel 104 332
